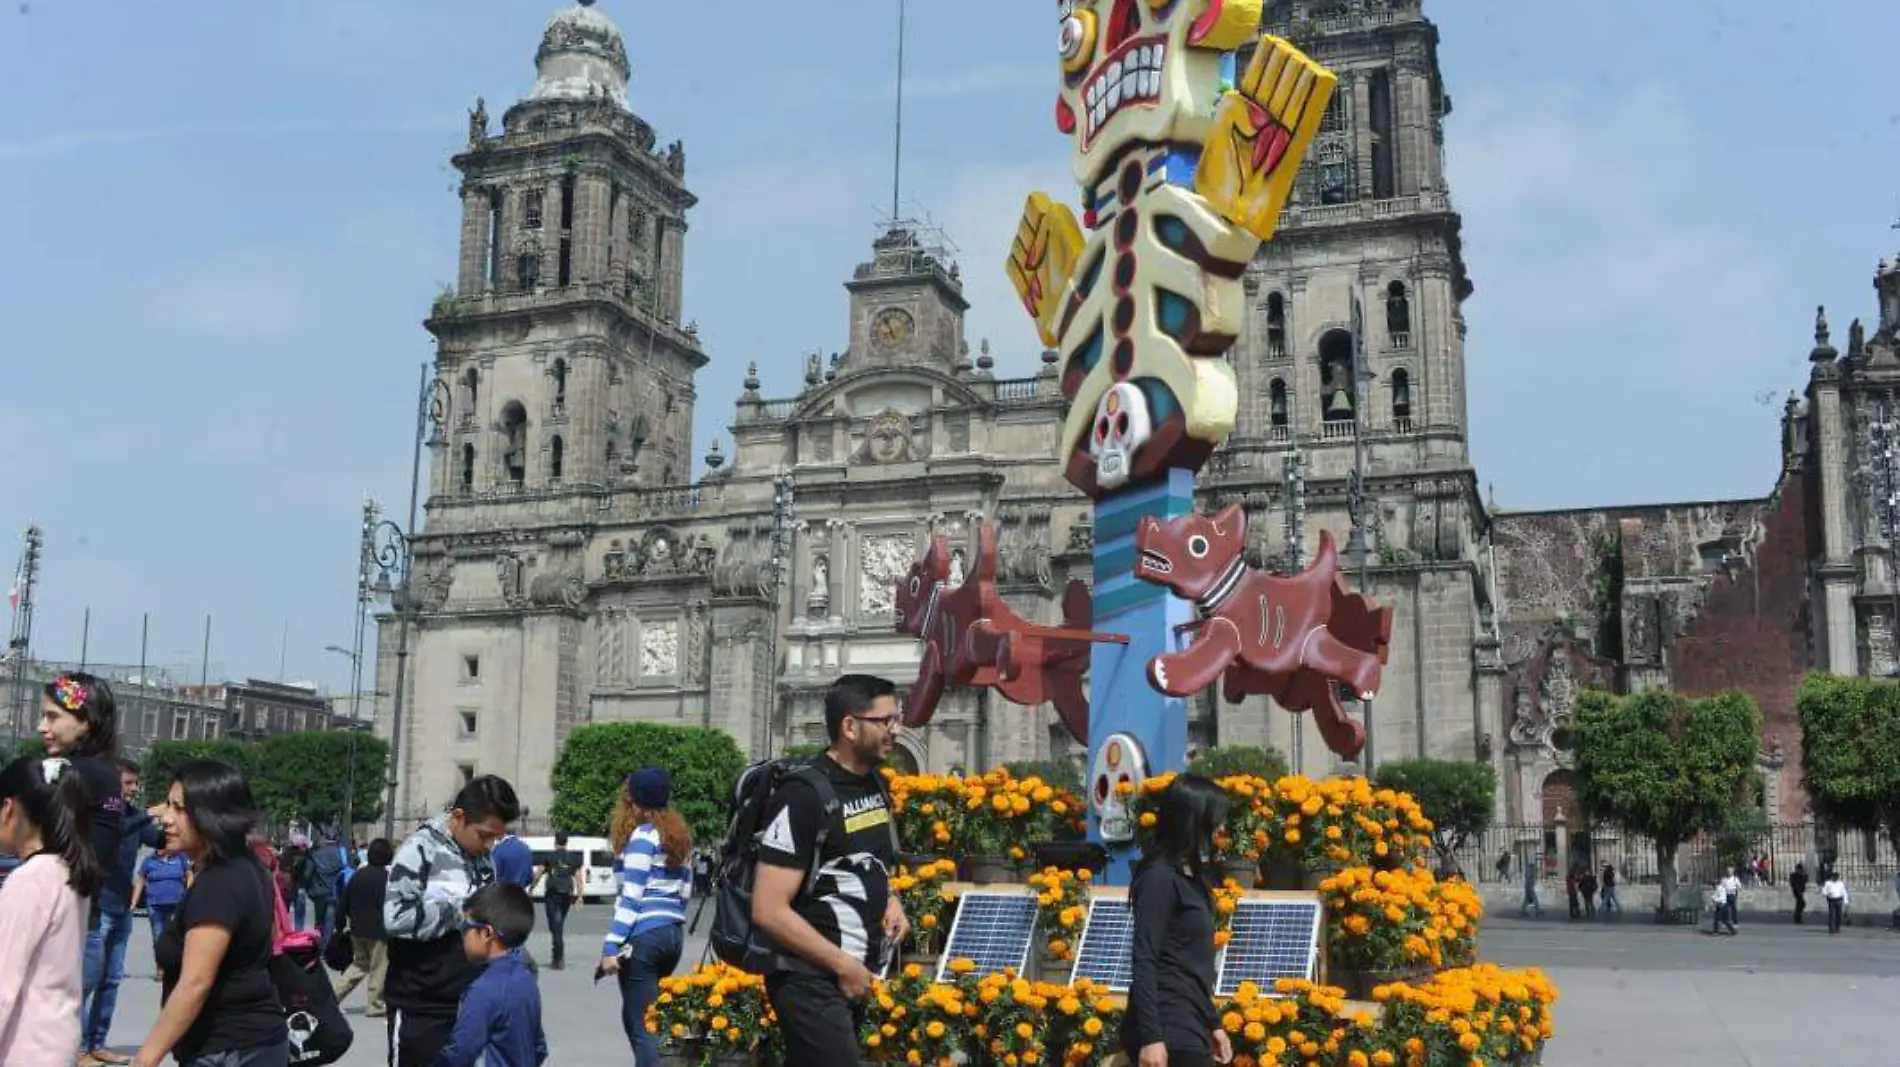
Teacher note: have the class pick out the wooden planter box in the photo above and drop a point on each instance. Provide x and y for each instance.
(1245, 872)
(1292, 877)
(992, 870)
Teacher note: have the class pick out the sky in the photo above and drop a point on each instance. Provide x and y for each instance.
(224, 223)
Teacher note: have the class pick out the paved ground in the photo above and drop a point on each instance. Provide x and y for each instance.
(1632, 995)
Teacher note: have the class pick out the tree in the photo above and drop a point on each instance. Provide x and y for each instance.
(1458, 796)
(164, 758)
(596, 760)
(306, 777)
(1850, 752)
(1061, 773)
(1661, 764)
(1228, 760)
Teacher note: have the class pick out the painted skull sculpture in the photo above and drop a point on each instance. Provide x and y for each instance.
(1122, 426)
(1143, 71)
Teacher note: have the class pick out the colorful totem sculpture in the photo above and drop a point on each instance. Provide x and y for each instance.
(1184, 172)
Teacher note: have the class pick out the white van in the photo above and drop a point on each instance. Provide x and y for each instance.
(595, 880)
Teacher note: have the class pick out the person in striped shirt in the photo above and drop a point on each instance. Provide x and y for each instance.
(647, 937)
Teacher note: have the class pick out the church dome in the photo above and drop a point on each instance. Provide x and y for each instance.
(582, 57)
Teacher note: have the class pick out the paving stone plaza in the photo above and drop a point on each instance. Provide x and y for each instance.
(1631, 995)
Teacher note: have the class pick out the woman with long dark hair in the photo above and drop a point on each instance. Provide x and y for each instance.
(43, 911)
(647, 937)
(79, 721)
(220, 1004)
(1171, 1020)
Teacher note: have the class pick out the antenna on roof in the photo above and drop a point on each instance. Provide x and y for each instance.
(897, 147)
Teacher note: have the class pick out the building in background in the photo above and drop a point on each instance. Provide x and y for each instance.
(154, 706)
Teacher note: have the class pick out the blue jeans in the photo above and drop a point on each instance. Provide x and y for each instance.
(160, 916)
(297, 906)
(655, 953)
(105, 969)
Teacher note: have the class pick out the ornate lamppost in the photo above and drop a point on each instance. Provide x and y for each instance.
(1359, 506)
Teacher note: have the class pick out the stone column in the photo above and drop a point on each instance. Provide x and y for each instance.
(472, 274)
(1837, 568)
(591, 227)
(742, 673)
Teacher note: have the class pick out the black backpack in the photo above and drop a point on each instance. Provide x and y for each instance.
(561, 875)
(733, 938)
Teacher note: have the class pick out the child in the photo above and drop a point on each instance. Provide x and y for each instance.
(44, 821)
(500, 1014)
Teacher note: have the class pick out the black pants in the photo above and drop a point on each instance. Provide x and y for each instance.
(557, 908)
(1800, 905)
(818, 1025)
(1834, 909)
(416, 1039)
(321, 907)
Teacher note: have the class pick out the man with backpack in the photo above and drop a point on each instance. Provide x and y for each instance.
(559, 889)
(820, 889)
(325, 871)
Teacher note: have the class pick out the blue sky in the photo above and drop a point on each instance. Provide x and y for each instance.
(226, 220)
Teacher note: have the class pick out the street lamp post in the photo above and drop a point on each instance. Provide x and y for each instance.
(356, 699)
(1358, 505)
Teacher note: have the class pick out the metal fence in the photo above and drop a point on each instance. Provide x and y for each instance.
(1863, 859)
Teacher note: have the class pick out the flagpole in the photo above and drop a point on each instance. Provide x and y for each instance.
(85, 637)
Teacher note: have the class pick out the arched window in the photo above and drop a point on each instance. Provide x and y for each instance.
(527, 271)
(1276, 404)
(468, 468)
(514, 443)
(559, 374)
(472, 386)
(1398, 315)
(1276, 325)
(1401, 398)
(1337, 390)
(555, 449)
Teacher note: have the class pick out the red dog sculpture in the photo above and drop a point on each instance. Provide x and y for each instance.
(973, 637)
(1292, 638)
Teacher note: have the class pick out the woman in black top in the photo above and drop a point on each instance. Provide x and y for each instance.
(1170, 1020)
(215, 956)
(80, 722)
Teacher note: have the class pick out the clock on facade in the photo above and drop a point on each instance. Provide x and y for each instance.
(891, 328)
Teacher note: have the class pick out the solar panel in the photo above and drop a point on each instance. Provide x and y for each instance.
(1270, 938)
(992, 929)
(1106, 953)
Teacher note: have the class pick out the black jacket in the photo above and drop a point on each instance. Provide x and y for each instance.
(1171, 990)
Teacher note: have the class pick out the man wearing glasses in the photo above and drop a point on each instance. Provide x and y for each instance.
(841, 927)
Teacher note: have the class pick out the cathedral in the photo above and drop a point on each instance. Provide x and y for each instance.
(572, 570)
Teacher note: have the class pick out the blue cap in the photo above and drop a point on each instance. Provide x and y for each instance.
(650, 787)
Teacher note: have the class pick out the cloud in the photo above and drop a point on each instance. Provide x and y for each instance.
(254, 296)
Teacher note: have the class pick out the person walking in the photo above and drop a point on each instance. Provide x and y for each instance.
(1587, 886)
(558, 878)
(647, 937)
(1504, 865)
(1834, 891)
(1798, 885)
(220, 1006)
(162, 879)
(43, 812)
(293, 878)
(1170, 1020)
(433, 874)
(1611, 905)
(327, 862)
(1718, 910)
(1570, 893)
(833, 932)
(361, 911)
(1530, 905)
(1732, 887)
(106, 942)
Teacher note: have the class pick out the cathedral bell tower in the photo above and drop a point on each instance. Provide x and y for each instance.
(561, 346)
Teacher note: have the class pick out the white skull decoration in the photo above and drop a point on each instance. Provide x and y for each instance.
(300, 1027)
(1122, 426)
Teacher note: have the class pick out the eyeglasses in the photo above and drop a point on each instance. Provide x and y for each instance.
(883, 721)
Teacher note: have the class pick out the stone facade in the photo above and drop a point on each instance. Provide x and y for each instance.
(567, 574)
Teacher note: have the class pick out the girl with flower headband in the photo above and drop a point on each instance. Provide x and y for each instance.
(80, 722)
(43, 820)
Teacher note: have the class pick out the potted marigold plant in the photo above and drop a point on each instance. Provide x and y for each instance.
(1062, 902)
(1342, 822)
(929, 811)
(1467, 1014)
(1012, 1028)
(927, 898)
(912, 1020)
(716, 1016)
(1083, 1026)
(1004, 817)
(1391, 926)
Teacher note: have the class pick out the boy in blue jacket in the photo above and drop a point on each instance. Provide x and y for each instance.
(499, 1020)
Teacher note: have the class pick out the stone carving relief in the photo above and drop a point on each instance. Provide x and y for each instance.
(1022, 547)
(434, 576)
(511, 572)
(959, 427)
(1540, 722)
(660, 649)
(818, 601)
(1880, 645)
(883, 559)
(821, 442)
(693, 644)
(888, 438)
(660, 552)
(610, 646)
(558, 590)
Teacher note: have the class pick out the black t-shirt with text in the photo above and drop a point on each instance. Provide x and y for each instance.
(241, 1010)
(847, 902)
(106, 805)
